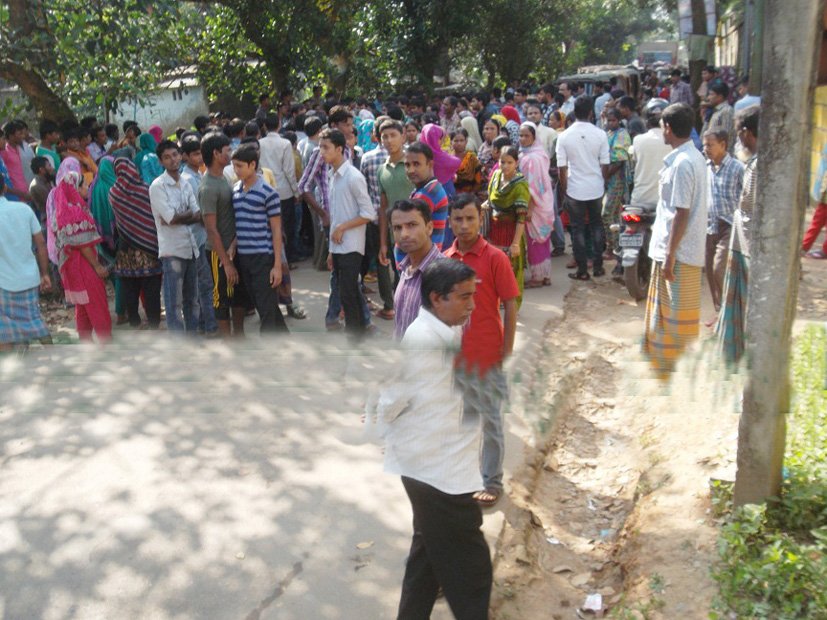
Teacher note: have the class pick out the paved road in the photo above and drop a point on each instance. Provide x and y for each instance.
(164, 479)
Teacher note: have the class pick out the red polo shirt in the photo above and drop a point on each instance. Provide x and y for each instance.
(482, 339)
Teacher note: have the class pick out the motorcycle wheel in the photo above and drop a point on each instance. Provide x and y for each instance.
(636, 276)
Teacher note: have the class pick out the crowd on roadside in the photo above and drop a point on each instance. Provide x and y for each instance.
(451, 205)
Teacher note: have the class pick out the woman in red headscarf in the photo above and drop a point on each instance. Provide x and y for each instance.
(512, 124)
(76, 240)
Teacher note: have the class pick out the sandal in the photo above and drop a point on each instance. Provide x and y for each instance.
(546, 281)
(816, 254)
(387, 314)
(488, 497)
(296, 313)
(533, 284)
(580, 276)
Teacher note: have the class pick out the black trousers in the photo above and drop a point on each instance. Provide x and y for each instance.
(383, 274)
(151, 288)
(579, 210)
(288, 222)
(254, 271)
(347, 268)
(448, 550)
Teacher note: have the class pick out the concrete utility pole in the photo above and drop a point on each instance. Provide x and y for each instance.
(792, 38)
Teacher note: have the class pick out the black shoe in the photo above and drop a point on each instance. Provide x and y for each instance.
(599, 271)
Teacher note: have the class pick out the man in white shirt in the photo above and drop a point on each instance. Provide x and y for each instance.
(174, 207)
(350, 211)
(434, 446)
(545, 135)
(567, 90)
(277, 155)
(648, 151)
(583, 161)
(678, 245)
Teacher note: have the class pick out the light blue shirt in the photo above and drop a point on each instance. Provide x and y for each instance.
(349, 199)
(18, 266)
(193, 177)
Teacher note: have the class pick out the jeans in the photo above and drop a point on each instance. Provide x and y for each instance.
(346, 269)
(206, 311)
(334, 303)
(180, 292)
(484, 396)
(558, 234)
(579, 210)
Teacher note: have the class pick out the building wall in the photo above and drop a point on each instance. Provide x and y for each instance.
(168, 108)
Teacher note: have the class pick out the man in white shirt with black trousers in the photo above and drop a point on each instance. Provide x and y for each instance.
(350, 211)
(434, 446)
(583, 161)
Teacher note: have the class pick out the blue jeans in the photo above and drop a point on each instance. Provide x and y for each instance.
(334, 303)
(558, 233)
(484, 396)
(180, 293)
(206, 311)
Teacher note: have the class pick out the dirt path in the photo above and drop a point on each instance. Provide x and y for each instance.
(616, 501)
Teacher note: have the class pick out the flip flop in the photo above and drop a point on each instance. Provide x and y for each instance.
(488, 497)
(580, 276)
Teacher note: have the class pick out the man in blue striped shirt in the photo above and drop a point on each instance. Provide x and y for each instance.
(258, 233)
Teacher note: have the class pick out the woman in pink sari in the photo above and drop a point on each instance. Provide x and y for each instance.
(75, 237)
(534, 164)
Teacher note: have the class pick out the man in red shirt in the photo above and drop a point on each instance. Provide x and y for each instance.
(488, 339)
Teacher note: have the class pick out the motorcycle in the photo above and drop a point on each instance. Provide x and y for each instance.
(633, 246)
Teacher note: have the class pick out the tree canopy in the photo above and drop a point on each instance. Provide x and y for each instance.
(67, 55)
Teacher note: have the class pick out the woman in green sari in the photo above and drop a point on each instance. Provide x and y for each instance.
(104, 218)
(508, 199)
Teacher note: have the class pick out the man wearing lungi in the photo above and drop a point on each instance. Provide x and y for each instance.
(22, 274)
(673, 307)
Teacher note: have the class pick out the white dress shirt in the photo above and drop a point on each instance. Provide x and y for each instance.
(277, 155)
(583, 148)
(426, 437)
(169, 198)
(349, 199)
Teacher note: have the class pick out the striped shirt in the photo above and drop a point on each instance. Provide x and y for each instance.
(408, 296)
(746, 205)
(253, 209)
(371, 162)
(725, 183)
(435, 197)
(316, 176)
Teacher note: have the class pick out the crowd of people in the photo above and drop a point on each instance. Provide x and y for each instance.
(451, 205)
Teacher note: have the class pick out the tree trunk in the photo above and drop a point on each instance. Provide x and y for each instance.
(25, 18)
(49, 105)
(791, 45)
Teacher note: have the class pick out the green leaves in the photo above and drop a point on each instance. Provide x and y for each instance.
(774, 557)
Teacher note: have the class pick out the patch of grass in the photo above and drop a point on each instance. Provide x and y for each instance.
(646, 609)
(774, 556)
